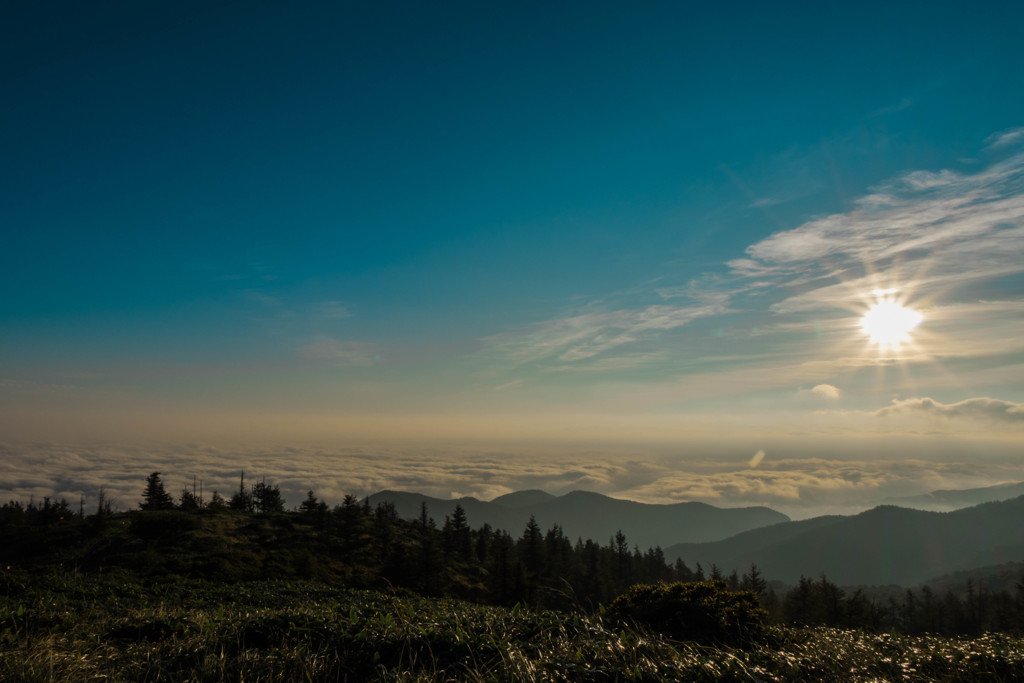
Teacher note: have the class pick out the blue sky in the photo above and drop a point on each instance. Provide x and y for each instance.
(569, 222)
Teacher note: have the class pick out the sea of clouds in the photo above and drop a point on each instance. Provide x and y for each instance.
(798, 486)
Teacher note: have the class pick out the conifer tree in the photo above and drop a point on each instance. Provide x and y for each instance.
(155, 497)
(217, 502)
(455, 534)
(532, 546)
(754, 581)
(267, 498)
(242, 500)
(313, 506)
(188, 501)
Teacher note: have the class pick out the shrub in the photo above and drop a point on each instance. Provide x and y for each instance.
(705, 612)
(163, 525)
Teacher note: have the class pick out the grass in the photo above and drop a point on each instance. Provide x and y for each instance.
(113, 628)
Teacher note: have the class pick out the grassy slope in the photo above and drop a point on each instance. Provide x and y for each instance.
(108, 602)
(78, 629)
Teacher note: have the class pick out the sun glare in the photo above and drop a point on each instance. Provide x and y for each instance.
(888, 323)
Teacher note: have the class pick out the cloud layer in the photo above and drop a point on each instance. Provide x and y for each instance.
(799, 487)
(972, 408)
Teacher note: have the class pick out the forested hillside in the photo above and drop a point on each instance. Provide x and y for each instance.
(584, 514)
(354, 544)
(885, 545)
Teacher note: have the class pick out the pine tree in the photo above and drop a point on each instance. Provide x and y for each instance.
(217, 502)
(531, 547)
(682, 572)
(484, 535)
(623, 560)
(242, 500)
(456, 536)
(189, 501)
(754, 581)
(312, 506)
(154, 497)
(267, 498)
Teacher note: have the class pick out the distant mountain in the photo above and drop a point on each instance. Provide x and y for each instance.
(522, 499)
(592, 516)
(881, 546)
(958, 498)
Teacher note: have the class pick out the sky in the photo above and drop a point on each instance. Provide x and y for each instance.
(469, 248)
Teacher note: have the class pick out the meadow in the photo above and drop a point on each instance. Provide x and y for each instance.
(61, 626)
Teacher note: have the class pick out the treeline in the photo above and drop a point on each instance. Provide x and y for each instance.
(920, 611)
(355, 544)
(15, 514)
(257, 497)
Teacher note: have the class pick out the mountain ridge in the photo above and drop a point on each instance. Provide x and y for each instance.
(591, 515)
(886, 544)
(951, 499)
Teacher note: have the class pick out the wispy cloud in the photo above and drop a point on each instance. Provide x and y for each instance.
(973, 408)
(945, 227)
(905, 103)
(613, 363)
(587, 336)
(942, 237)
(338, 351)
(1005, 138)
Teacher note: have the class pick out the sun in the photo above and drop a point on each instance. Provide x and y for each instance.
(888, 322)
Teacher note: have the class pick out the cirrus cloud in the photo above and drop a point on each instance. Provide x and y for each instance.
(949, 228)
(588, 336)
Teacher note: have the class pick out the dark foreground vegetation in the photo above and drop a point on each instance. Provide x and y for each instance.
(240, 589)
(62, 628)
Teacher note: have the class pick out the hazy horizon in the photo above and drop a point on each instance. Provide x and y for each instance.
(468, 250)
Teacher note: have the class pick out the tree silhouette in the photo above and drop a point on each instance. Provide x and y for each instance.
(155, 497)
(456, 536)
(189, 501)
(754, 581)
(242, 500)
(313, 506)
(532, 547)
(266, 498)
(217, 503)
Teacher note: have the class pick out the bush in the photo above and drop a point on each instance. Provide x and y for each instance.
(163, 525)
(706, 612)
